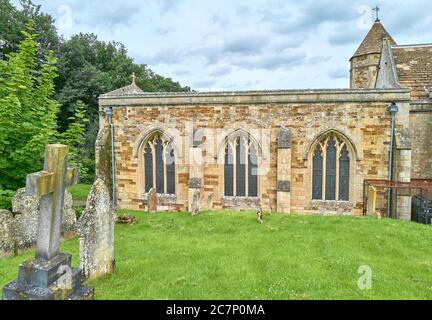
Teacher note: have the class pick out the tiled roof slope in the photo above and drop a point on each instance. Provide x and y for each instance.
(414, 69)
(129, 90)
(372, 43)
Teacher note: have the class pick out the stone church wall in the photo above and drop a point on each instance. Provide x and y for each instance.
(421, 133)
(360, 116)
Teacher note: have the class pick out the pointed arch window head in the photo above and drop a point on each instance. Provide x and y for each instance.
(241, 167)
(159, 164)
(331, 169)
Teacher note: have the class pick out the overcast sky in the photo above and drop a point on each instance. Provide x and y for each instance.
(244, 44)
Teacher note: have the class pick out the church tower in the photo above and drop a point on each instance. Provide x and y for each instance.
(366, 60)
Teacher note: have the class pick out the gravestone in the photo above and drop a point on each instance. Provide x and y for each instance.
(7, 238)
(210, 201)
(49, 275)
(26, 210)
(152, 200)
(260, 215)
(196, 202)
(96, 233)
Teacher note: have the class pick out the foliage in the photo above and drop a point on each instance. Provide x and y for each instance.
(74, 137)
(6, 197)
(13, 21)
(230, 256)
(27, 110)
(87, 68)
(79, 211)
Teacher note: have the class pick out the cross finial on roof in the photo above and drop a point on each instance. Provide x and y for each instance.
(377, 9)
(133, 77)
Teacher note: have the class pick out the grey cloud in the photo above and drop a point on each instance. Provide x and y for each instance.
(204, 84)
(163, 31)
(318, 59)
(221, 71)
(272, 61)
(308, 16)
(246, 44)
(343, 36)
(166, 6)
(102, 13)
(182, 72)
(339, 73)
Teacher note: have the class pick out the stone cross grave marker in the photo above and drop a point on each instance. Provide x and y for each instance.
(50, 185)
(49, 276)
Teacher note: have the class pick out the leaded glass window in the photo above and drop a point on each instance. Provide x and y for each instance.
(159, 165)
(241, 167)
(317, 174)
(331, 169)
(344, 178)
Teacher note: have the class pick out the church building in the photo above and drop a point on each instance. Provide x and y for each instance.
(294, 151)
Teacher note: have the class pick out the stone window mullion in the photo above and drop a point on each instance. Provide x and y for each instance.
(324, 151)
(153, 148)
(234, 148)
(338, 150)
(247, 150)
(165, 166)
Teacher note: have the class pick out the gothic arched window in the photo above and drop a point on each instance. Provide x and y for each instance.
(331, 169)
(241, 167)
(159, 165)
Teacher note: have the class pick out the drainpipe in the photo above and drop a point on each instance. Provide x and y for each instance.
(393, 109)
(109, 113)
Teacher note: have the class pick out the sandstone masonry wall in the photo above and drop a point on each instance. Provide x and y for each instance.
(360, 116)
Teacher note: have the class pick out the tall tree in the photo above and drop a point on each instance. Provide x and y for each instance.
(13, 21)
(28, 111)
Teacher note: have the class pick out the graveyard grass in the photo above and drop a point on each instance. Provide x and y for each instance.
(227, 255)
(80, 191)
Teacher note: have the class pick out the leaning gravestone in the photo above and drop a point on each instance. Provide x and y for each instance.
(96, 232)
(152, 200)
(49, 275)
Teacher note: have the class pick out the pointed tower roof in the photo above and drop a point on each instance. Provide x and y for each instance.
(372, 43)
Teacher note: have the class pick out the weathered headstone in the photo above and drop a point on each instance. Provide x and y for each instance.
(269, 205)
(49, 275)
(96, 232)
(152, 200)
(7, 239)
(260, 215)
(26, 210)
(196, 202)
(210, 201)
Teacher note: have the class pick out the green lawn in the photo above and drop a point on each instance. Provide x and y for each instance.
(80, 191)
(231, 256)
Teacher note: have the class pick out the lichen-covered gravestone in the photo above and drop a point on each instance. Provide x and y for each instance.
(49, 276)
(26, 209)
(7, 241)
(96, 232)
(152, 200)
(260, 215)
(210, 201)
(196, 202)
